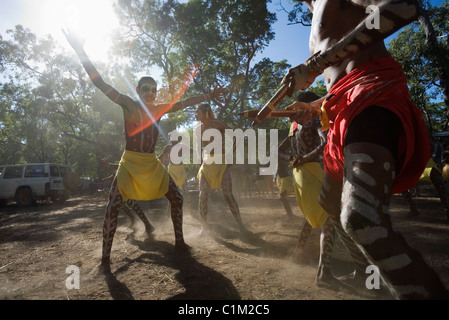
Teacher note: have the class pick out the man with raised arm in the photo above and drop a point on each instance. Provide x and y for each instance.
(141, 176)
(377, 141)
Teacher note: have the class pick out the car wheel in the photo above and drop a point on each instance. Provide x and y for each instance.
(24, 197)
(58, 199)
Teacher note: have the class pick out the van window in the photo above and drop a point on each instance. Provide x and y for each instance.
(35, 171)
(54, 172)
(13, 172)
(64, 170)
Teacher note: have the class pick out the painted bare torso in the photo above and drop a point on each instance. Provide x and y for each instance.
(309, 140)
(331, 21)
(213, 124)
(139, 136)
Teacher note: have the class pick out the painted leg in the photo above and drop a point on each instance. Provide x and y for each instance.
(110, 226)
(330, 200)
(438, 183)
(369, 176)
(226, 187)
(204, 198)
(176, 200)
(299, 255)
(286, 205)
(408, 197)
(135, 207)
(126, 209)
(327, 240)
(304, 235)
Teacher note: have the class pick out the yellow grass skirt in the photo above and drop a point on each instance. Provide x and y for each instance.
(308, 179)
(213, 172)
(178, 174)
(142, 177)
(285, 184)
(426, 174)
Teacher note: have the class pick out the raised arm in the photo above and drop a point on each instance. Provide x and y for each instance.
(216, 93)
(77, 44)
(106, 163)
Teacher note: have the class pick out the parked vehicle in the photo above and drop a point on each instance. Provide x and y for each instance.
(27, 183)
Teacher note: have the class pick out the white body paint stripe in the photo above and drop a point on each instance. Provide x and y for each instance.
(371, 234)
(395, 263)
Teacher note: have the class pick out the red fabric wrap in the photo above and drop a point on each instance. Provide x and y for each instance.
(381, 83)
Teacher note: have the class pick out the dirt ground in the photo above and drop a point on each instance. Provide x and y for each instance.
(37, 245)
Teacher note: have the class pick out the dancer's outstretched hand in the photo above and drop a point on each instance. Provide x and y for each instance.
(217, 92)
(299, 78)
(75, 41)
(305, 112)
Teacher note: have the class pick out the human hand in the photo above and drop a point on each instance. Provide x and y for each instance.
(75, 41)
(304, 112)
(295, 161)
(299, 78)
(217, 92)
(103, 161)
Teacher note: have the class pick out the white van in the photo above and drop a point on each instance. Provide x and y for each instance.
(27, 183)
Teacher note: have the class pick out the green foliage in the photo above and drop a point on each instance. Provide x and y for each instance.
(51, 112)
(423, 64)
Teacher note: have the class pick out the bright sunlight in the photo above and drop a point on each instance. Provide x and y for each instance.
(93, 20)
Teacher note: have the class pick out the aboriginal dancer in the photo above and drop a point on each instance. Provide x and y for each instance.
(377, 142)
(214, 173)
(284, 183)
(307, 142)
(140, 176)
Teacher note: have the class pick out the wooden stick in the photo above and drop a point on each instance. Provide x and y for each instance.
(271, 105)
(273, 114)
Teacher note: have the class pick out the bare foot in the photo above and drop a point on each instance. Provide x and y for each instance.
(102, 269)
(149, 229)
(244, 232)
(181, 246)
(328, 281)
(357, 283)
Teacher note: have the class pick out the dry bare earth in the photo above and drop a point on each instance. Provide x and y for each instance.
(38, 244)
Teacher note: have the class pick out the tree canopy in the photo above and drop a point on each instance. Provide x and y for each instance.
(51, 112)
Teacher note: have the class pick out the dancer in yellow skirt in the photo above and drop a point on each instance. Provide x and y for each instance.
(176, 171)
(285, 184)
(214, 175)
(307, 143)
(141, 176)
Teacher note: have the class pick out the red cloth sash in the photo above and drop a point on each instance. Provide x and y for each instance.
(382, 83)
